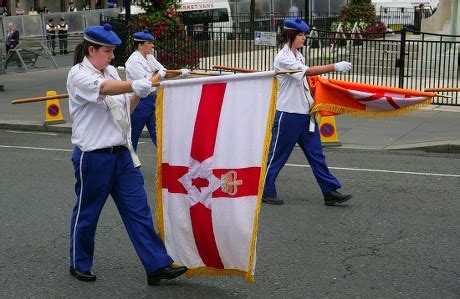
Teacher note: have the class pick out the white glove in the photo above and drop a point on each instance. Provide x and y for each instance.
(343, 66)
(141, 87)
(162, 73)
(184, 73)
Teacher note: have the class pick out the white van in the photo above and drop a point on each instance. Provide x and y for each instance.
(207, 17)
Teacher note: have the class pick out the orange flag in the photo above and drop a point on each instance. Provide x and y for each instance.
(343, 97)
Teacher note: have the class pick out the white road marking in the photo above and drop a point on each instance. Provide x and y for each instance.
(33, 133)
(37, 148)
(287, 164)
(384, 171)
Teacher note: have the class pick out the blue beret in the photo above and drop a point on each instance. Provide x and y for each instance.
(296, 24)
(102, 35)
(144, 36)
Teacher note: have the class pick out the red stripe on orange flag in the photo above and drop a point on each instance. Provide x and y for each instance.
(392, 103)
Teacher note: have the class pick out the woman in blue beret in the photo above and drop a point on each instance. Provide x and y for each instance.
(104, 160)
(142, 64)
(292, 122)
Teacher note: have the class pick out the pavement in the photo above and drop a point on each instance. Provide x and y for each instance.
(435, 128)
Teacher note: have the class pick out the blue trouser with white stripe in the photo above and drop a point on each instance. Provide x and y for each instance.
(99, 175)
(144, 115)
(289, 129)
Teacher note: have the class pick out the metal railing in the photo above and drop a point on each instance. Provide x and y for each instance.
(398, 60)
(405, 59)
(35, 25)
(267, 22)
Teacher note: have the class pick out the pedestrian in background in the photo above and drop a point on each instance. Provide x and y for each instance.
(62, 28)
(11, 42)
(142, 64)
(19, 10)
(32, 11)
(293, 123)
(71, 7)
(12, 37)
(104, 160)
(51, 30)
(294, 11)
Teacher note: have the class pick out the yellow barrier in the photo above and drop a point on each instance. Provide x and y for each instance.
(328, 131)
(53, 112)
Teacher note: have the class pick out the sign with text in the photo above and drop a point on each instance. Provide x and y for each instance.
(262, 38)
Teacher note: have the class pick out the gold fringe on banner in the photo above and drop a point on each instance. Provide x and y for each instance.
(218, 272)
(367, 113)
(263, 169)
(159, 178)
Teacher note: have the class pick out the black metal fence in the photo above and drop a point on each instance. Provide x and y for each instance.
(405, 59)
(241, 23)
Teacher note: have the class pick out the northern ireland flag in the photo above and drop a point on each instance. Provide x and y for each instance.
(343, 97)
(213, 141)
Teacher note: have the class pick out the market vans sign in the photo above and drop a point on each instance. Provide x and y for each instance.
(195, 6)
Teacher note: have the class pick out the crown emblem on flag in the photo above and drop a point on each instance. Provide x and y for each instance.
(229, 182)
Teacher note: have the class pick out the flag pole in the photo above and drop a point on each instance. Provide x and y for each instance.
(442, 96)
(233, 69)
(55, 97)
(178, 72)
(40, 99)
(241, 70)
(442, 89)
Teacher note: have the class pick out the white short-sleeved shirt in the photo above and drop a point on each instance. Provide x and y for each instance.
(93, 126)
(293, 92)
(139, 67)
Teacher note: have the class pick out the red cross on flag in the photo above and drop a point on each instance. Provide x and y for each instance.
(343, 97)
(213, 141)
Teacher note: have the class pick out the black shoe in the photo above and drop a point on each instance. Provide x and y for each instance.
(167, 272)
(336, 197)
(272, 200)
(83, 276)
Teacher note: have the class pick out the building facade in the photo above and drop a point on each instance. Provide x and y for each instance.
(316, 7)
(53, 5)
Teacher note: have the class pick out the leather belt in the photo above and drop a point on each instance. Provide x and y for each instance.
(111, 150)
